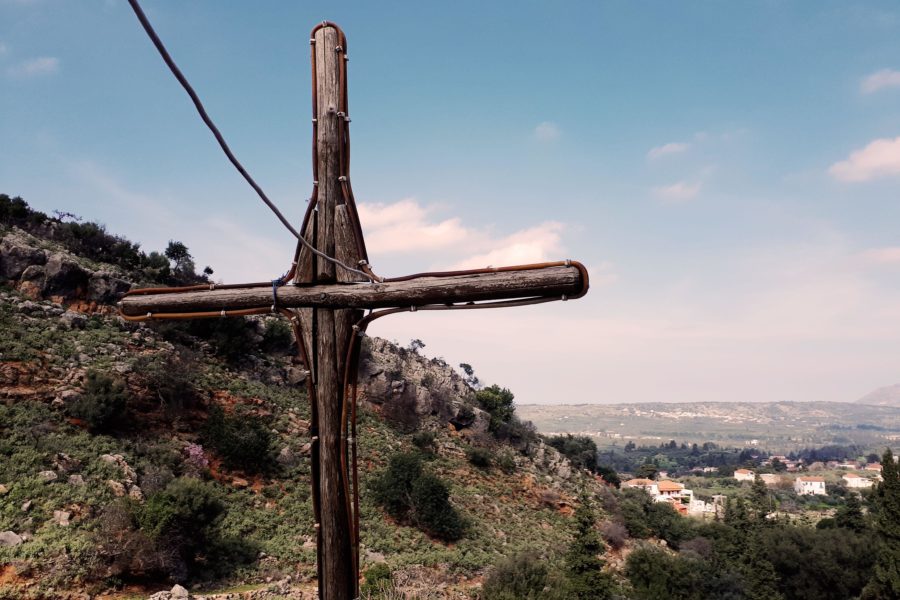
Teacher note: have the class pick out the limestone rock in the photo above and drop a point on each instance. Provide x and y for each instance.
(117, 488)
(135, 493)
(72, 320)
(16, 256)
(239, 482)
(48, 476)
(295, 375)
(10, 538)
(61, 517)
(119, 461)
(65, 277)
(106, 288)
(3, 490)
(179, 593)
(26, 506)
(76, 480)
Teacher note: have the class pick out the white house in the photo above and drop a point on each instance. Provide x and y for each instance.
(744, 475)
(807, 486)
(857, 481)
(672, 490)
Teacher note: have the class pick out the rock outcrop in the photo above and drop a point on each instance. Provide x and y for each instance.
(41, 273)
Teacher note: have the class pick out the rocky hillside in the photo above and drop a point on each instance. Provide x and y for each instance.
(133, 457)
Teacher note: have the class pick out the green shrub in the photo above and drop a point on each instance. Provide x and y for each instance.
(378, 579)
(242, 440)
(506, 462)
(479, 457)
(580, 450)
(103, 402)
(277, 337)
(187, 507)
(432, 510)
(498, 402)
(424, 441)
(524, 576)
(170, 380)
(409, 493)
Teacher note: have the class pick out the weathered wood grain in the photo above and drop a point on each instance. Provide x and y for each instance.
(549, 281)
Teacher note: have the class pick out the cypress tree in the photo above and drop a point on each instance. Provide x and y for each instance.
(586, 578)
(885, 581)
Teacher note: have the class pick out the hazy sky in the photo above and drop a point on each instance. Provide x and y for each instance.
(729, 172)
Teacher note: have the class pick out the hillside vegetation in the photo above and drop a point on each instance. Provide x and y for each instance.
(135, 456)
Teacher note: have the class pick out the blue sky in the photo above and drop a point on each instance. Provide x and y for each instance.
(728, 171)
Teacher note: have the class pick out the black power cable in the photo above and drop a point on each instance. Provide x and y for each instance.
(145, 23)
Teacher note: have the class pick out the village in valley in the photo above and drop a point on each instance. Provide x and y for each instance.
(778, 472)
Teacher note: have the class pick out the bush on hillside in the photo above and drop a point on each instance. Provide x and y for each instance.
(409, 493)
(580, 450)
(479, 457)
(379, 580)
(164, 535)
(498, 402)
(242, 440)
(170, 379)
(103, 402)
(424, 441)
(524, 576)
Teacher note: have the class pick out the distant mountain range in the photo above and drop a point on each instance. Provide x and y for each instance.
(888, 395)
(777, 426)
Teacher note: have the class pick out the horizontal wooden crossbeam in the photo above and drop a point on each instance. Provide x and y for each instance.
(560, 280)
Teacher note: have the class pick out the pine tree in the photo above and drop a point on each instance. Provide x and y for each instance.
(885, 581)
(759, 498)
(586, 578)
(850, 516)
(759, 573)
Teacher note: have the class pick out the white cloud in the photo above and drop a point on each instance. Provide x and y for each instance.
(882, 256)
(33, 67)
(403, 227)
(878, 159)
(678, 192)
(407, 227)
(880, 80)
(667, 149)
(535, 244)
(547, 132)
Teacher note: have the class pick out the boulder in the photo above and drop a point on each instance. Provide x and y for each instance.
(61, 517)
(73, 320)
(106, 288)
(135, 493)
(76, 480)
(26, 506)
(117, 488)
(48, 476)
(295, 375)
(16, 256)
(64, 277)
(10, 538)
(3, 490)
(286, 457)
(179, 593)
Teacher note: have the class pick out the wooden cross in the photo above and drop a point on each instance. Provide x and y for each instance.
(325, 301)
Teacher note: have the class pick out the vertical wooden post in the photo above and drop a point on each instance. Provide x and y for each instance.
(328, 332)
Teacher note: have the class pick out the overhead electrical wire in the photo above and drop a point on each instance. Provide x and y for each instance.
(167, 58)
